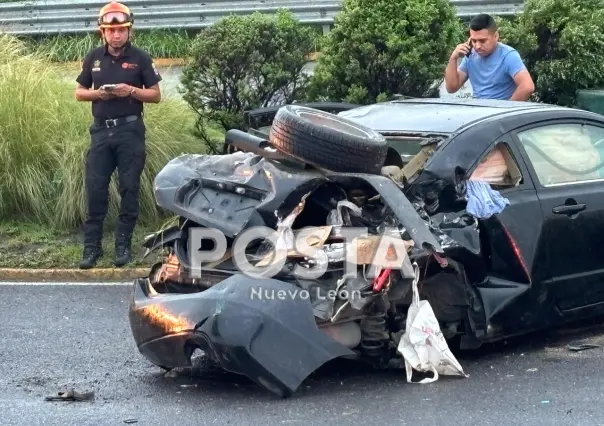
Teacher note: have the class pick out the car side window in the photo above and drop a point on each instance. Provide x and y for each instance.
(498, 168)
(565, 153)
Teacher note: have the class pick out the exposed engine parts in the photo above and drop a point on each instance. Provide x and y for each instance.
(374, 333)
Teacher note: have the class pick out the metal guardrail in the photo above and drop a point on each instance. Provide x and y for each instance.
(79, 16)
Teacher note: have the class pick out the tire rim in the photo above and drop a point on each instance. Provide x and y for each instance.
(333, 123)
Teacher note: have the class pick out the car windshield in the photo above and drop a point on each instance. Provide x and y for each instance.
(406, 145)
(415, 150)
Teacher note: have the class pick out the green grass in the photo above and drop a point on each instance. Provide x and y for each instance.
(44, 137)
(160, 43)
(74, 47)
(28, 245)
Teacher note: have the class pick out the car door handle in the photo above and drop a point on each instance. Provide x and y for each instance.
(569, 208)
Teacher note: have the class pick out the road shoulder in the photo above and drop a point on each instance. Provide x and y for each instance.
(71, 275)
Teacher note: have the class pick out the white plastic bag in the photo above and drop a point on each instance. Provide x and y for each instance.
(423, 345)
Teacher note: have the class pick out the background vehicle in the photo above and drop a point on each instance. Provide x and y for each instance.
(533, 265)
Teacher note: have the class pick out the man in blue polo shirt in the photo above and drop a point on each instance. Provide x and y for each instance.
(495, 69)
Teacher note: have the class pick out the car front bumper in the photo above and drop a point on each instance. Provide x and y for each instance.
(261, 328)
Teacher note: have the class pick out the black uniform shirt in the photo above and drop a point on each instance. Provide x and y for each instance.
(135, 68)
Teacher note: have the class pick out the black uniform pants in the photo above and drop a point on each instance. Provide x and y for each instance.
(121, 147)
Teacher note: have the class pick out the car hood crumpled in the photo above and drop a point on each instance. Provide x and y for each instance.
(236, 191)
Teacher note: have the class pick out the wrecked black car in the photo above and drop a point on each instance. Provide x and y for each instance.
(491, 208)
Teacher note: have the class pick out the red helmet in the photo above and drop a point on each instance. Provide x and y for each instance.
(114, 15)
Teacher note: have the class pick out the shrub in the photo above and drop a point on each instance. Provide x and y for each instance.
(562, 44)
(385, 47)
(44, 137)
(245, 62)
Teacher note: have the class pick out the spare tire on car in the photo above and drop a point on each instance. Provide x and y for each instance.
(327, 141)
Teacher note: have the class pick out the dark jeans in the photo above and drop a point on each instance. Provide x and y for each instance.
(123, 147)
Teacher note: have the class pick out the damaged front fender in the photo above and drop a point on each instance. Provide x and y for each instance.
(262, 328)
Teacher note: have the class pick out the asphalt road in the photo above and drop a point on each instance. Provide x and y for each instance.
(53, 337)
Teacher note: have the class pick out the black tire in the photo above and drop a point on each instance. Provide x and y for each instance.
(327, 141)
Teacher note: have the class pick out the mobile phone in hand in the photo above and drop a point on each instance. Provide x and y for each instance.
(108, 87)
(470, 50)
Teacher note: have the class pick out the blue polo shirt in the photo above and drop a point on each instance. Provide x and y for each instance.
(492, 77)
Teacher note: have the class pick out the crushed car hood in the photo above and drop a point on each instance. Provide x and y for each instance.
(240, 190)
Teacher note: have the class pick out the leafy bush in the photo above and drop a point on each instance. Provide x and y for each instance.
(44, 137)
(562, 43)
(245, 62)
(381, 48)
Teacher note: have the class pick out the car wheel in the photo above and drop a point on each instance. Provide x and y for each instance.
(327, 141)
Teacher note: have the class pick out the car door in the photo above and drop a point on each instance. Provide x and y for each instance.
(565, 158)
(512, 250)
(513, 247)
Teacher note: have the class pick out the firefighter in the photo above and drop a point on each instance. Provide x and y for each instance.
(117, 78)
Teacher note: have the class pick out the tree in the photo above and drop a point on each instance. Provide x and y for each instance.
(562, 44)
(245, 62)
(380, 48)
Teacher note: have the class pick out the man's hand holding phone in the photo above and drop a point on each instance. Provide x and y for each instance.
(462, 50)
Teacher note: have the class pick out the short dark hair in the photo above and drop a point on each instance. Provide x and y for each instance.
(483, 22)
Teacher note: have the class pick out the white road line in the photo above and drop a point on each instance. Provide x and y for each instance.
(86, 284)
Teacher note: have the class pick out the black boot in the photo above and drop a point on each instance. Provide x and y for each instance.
(92, 253)
(123, 252)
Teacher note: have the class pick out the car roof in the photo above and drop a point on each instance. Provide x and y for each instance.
(434, 115)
